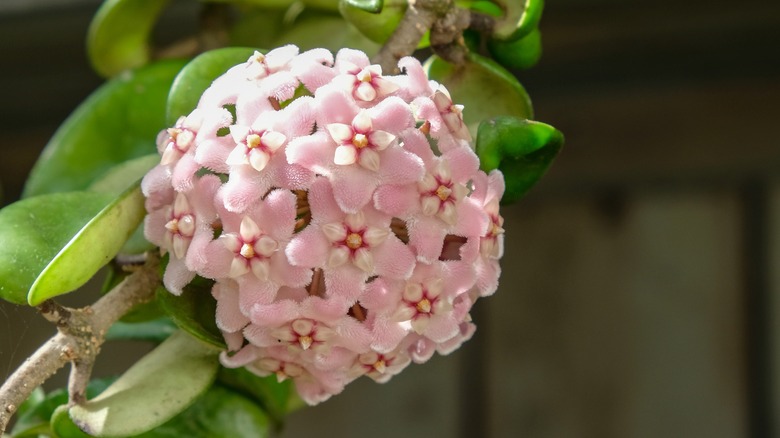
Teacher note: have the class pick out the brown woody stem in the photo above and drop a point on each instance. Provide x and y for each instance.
(81, 332)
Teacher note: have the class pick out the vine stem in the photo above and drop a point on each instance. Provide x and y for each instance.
(419, 17)
(81, 332)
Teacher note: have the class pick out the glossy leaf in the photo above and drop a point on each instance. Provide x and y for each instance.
(220, 412)
(155, 389)
(118, 37)
(91, 248)
(120, 177)
(118, 122)
(520, 54)
(329, 31)
(277, 398)
(485, 89)
(156, 330)
(376, 26)
(194, 310)
(35, 414)
(34, 230)
(198, 75)
(327, 5)
(372, 6)
(117, 180)
(522, 149)
(520, 18)
(257, 27)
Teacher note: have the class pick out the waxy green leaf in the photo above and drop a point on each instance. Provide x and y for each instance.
(522, 149)
(33, 232)
(155, 389)
(220, 412)
(372, 6)
(376, 26)
(120, 177)
(329, 31)
(198, 75)
(156, 330)
(40, 408)
(118, 37)
(91, 248)
(277, 398)
(485, 89)
(519, 54)
(520, 18)
(118, 122)
(194, 310)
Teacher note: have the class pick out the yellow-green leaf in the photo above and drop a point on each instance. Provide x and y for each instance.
(91, 248)
(118, 37)
(155, 389)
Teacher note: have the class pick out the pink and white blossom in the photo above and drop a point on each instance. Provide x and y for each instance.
(340, 213)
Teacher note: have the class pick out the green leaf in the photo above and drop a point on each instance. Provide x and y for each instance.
(156, 330)
(372, 6)
(376, 26)
(120, 177)
(34, 230)
(118, 37)
(33, 421)
(218, 413)
(155, 389)
(330, 31)
(118, 122)
(485, 89)
(522, 149)
(198, 75)
(277, 398)
(519, 54)
(194, 310)
(91, 248)
(257, 27)
(521, 18)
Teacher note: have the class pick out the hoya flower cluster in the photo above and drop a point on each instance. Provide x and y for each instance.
(340, 212)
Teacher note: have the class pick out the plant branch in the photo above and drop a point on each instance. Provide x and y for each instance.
(418, 19)
(81, 332)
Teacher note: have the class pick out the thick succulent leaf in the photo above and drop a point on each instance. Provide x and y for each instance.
(120, 177)
(91, 248)
(277, 398)
(522, 149)
(194, 310)
(118, 122)
(155, 389)
(328, 5)
(520, 18)
(377, 26)
(257, 27)
(156, 330)
(118, 37)
(485, 89)
(33, 232)
(372, 6)
(519, 54)
(35, 414)
(330, 31)
(198, 75)
(220, 412)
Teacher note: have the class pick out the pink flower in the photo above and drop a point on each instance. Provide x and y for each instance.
(250, 250)
(362, 81)
(358, 152)
(348, 247)
(341, 214)
(183, 229)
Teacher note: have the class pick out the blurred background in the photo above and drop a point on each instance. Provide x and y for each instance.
(641, 281)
